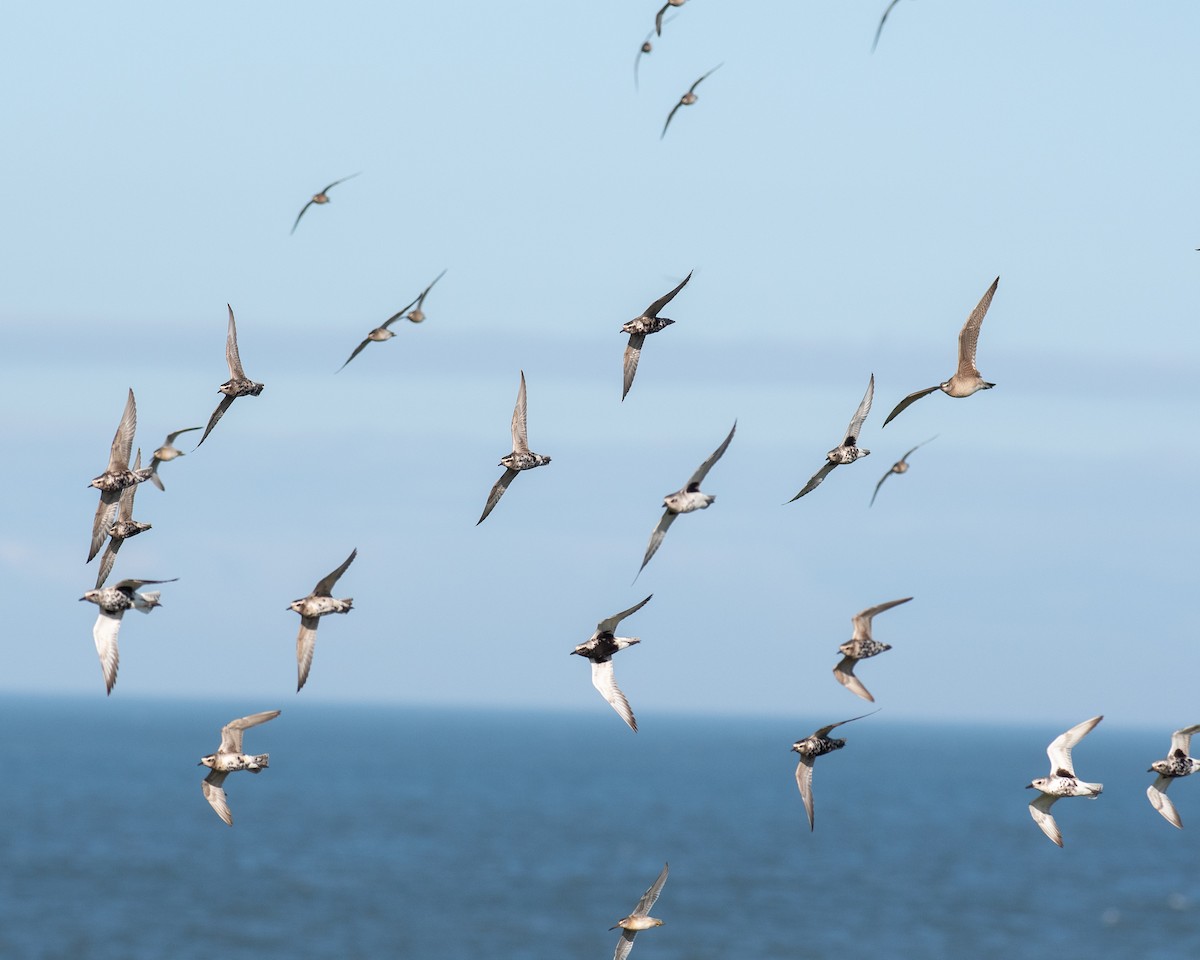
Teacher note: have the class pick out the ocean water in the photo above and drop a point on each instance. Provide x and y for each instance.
(449, 834)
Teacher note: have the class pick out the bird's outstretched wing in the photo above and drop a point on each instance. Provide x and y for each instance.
(815, 480)
(357, 350)
(520, 428)
(122, 445)
(215, 795)
(656, 538)
(104, 633)
(1039, 809)
(804, 775)
(844, 673)
(231, 350)
(652, 310)
(325, 585)
(643, 907)
(610, 624)
(1157, 792)
(225, 404)
(968, 337)
(702, 470)
(496, 493)
(860, 415)
(862, 620)
(633, 353)
(306, 645)
(604, 681)
(882, 21)
(1059, 750)
(231, 733)
(909, 401)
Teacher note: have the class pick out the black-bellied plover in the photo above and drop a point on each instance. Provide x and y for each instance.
(1062, 781)
(124, 528)
(165, 454)
(519, 459)
(685, 500)
(639, 917)
(116, 477)
(809, 749)
(900, 466)
(861, 646)
(848, 450)
(113, 602)
(320, 197)
(639, 328)
(311, 609)
(229, 759)
(238, 384)
(599, 648)
(688, 98)
(1177, 764)
(966, 379)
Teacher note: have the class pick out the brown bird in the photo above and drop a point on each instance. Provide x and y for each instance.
(900, 466)
(320, 197)
(238, 384)
(688, 98)
(861, 646)
(641, 327)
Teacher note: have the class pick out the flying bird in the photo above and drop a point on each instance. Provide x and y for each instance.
(411, 311)
(113, 602)
(882, 21)
(229, 759)
(639, 918)
(319, 198)
(848, 450)
(116, 477)
(966, 379)
(861, 646)
(640, 327)
(809, 749)
(686, 500)
(123, 529)
(165, 454)
(900, 466)
(311, 608)
(1062, 781)
(238, 384)
(1178, 764)
(520, 459)
(688, 98)
(599, 648)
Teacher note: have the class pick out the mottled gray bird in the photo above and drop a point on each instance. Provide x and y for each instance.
(860, 647)
(1062, 781)
(238, 384)
(882, 21)
(809, 749)
(116, 477)
(520, 458)
(1177, 764)
(229, 759)
(113, 602)
(319, 198)
(640, 327)
(900, 466)
(411, 312)
(639, 918)
(599, 648)
(165, 454)
(688, 98)
(685, 500)
(966, 379)
(311, 609)
(124, 528)
(848, 450)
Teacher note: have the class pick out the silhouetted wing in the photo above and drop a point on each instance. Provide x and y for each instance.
(909, 401)
(293, 230)
(496, 493)
(1059, 750)
(877, 486)
(968, 337)
(306, 644)
(357, 350)
(1039, 809)
(215, 795)
(815, 481)
(398, 315)
(425, 292)
(520, 429)
(658, 19)
(657, 537)
(604, 681)
(1157, 792)
(325, 587)
(171, 436)
(692, 88)
(860, 415)
(633, 353)
(122, 445)
(669, 116)
(225, 404)
(343, 180)
(231, 733)
(844, 672)
(702, 470)
(652, 310)
(882, 20)
(610, 624)
(804, 775)
(104, 633)
(648, 898)
(231, 351)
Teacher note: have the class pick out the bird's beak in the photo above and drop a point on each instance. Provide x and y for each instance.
(1029, 786)
(83, 598)
(1151, 770)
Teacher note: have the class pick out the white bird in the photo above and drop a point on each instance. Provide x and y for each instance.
(599, 648)
(1062, 781)
(229, 759)
(1178, 764)
(113, 602)
(686, 500)
(639, 918)
(848, 450)
(966, 379)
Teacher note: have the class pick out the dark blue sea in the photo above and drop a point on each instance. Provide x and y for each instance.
(467, 834)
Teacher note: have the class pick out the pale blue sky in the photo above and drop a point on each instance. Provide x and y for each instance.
(842, 212)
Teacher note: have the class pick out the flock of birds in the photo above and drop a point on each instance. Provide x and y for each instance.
(114, 523)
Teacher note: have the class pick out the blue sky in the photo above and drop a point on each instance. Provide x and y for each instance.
(842, 212)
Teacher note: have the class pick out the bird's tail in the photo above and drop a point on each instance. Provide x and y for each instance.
(145, 602)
